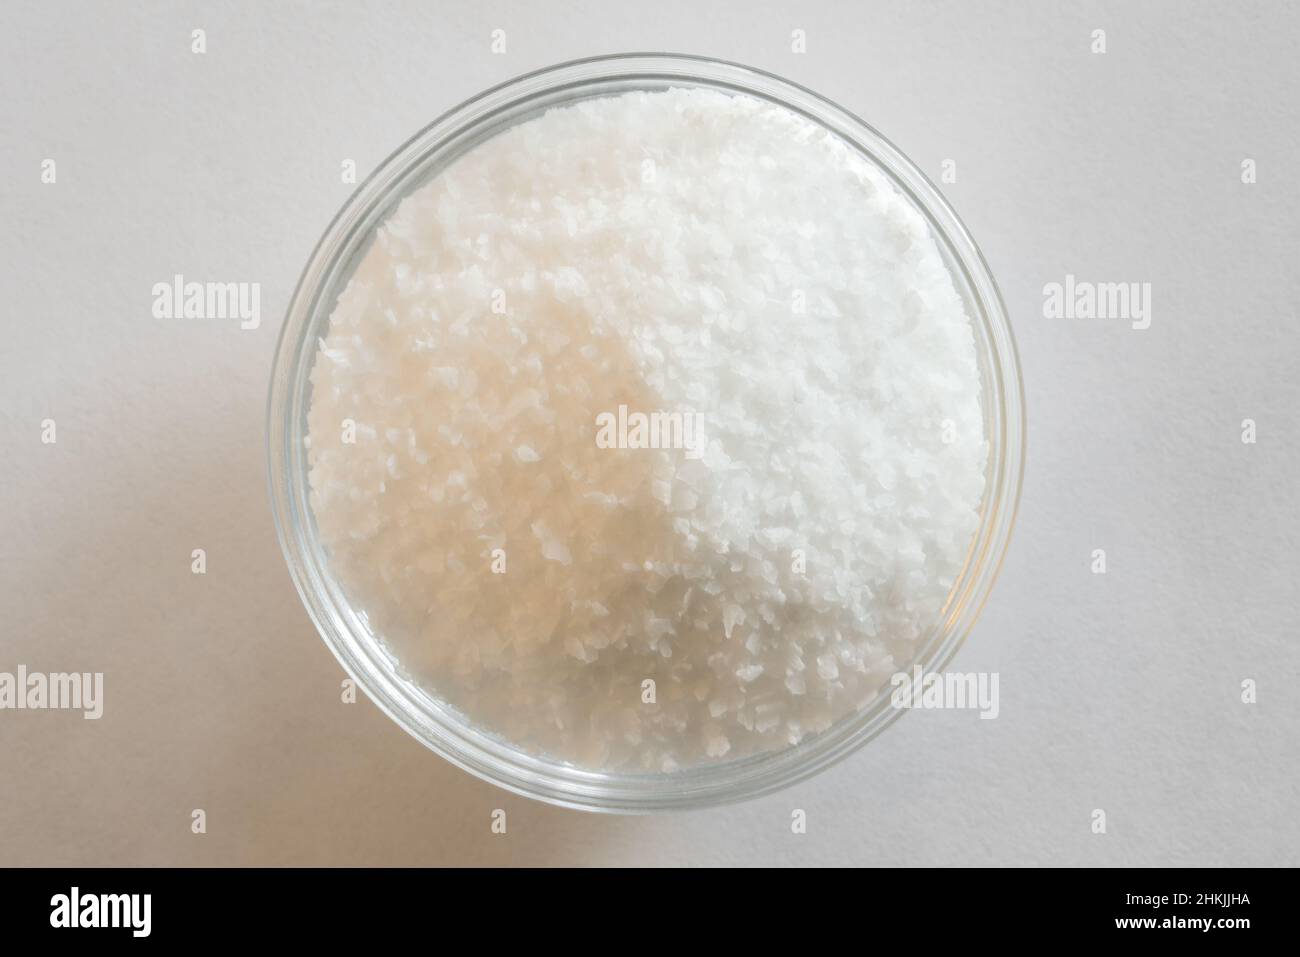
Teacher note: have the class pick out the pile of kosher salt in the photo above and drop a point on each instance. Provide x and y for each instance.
(683, 251)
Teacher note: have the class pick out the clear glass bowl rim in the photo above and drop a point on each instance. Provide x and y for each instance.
(361, 656)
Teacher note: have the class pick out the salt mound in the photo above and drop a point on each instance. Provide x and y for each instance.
(686, 252)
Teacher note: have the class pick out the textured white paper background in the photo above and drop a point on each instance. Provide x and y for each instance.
(1119, 691)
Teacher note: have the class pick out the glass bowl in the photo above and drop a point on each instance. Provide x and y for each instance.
(344, 629)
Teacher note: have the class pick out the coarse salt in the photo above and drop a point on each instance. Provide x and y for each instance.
(677, 252)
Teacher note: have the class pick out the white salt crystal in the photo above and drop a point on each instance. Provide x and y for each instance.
(552, 547)
(765, 586)
(749, 673)
(732, 615)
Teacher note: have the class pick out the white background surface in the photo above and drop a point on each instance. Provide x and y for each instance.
(1119, 692)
